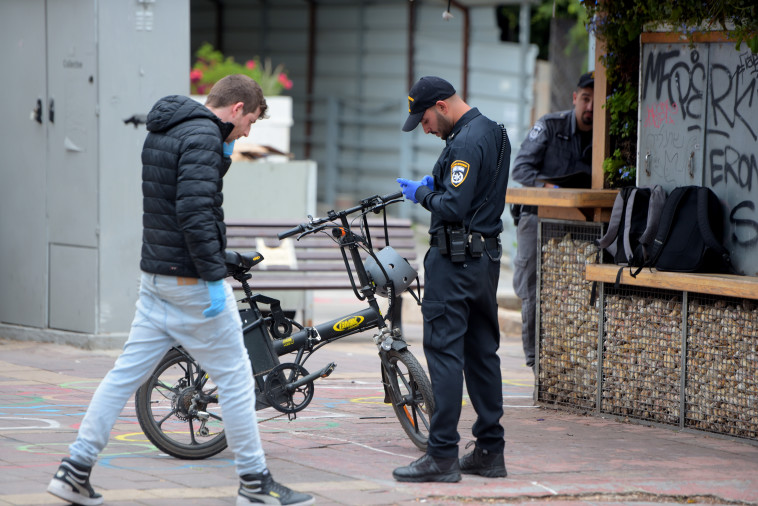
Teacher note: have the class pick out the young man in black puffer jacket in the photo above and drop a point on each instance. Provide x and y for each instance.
(183, 298)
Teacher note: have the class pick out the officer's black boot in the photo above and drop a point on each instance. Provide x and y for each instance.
(483, 463)
(429, 468)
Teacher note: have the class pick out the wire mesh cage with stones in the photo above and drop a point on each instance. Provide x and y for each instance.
(568, 325)
(642, 353)
(721, 383)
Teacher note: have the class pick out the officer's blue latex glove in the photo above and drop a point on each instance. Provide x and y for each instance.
(409, 188)
(218, 298)
(228, 149)
(428, 181)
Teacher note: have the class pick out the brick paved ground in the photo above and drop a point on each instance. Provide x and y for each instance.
(344, 446)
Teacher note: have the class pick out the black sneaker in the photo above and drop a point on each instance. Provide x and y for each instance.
(483, 463)
(428, 468)
(71, 483)
(262, 489)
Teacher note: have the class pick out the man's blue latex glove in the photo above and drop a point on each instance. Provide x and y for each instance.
(409, 188)
(218, 298)
(228, 149)
(428, 181)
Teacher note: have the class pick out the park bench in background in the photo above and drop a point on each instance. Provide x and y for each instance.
(313, 263)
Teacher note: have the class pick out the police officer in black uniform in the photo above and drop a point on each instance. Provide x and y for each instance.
(558, 152)
(466, 197)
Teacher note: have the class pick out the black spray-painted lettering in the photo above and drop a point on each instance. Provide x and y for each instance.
(744, 231)
(731, 110)
(728, 165)
(683, 83)
(699, 125)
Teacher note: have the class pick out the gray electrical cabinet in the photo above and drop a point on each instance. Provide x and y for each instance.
(70, 200)
(698, 125)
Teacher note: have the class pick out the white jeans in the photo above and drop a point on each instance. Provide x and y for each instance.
(168, 314)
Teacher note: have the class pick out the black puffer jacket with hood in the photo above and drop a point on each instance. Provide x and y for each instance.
(182, 170)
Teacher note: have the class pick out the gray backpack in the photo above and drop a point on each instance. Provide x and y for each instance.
(633, 226)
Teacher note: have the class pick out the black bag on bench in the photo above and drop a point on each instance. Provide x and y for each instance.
(690, 233)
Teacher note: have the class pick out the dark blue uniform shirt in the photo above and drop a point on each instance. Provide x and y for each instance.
(553, 148)
(464, 177)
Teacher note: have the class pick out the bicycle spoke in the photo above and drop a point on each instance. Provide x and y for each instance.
(192, 431)
(167, 391)
(416, 414)
(402, 377)
(418, 408)
(186, 368)
(160, 422)
(411, 414)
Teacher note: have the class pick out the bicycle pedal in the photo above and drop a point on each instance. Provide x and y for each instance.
(328, 370)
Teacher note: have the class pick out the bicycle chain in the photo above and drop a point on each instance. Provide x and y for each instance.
(272, 418)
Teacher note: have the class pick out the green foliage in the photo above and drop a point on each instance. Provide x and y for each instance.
(569, 9)
(616, 171)
(619, 23)
(622, 107)
(508, 18)
(211, 66)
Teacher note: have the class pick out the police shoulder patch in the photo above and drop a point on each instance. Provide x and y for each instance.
(458, 172)
(536, 130)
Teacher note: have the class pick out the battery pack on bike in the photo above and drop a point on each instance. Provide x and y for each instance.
(260, 350)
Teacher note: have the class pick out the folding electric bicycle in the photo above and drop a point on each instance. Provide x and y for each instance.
(177, 407)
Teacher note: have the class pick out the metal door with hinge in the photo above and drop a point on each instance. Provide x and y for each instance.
(23, 243)
(49, 196)
(72, 174)
(672, 112)
(698, 125)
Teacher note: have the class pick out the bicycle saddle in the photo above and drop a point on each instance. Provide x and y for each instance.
(237, 262)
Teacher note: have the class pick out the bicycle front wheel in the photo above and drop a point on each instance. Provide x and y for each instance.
(411, 395)
(178, 417)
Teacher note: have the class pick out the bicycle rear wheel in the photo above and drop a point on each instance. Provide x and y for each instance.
(411, 395)
(164, 409)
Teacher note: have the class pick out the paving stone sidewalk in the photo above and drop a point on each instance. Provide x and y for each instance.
(344, 446)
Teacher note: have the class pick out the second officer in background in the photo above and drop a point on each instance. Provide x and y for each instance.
(557, 151)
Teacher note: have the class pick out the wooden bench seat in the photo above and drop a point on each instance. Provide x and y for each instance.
(315, 261)
(726, 285)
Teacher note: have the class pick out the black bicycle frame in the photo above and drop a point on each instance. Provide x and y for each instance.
(329, 331)
(264, 352)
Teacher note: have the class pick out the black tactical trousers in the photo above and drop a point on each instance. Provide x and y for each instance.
(461, 337)
(525, 282)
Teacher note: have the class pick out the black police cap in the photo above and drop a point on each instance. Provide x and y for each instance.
(587, 80)
(423, 95)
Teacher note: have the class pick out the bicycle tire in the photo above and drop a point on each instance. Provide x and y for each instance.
(411, 395)
(162, 402)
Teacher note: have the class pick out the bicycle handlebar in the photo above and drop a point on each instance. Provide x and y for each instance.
(374, 203)
(293, 231)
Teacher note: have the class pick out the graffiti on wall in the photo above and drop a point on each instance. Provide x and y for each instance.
(698, 124)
